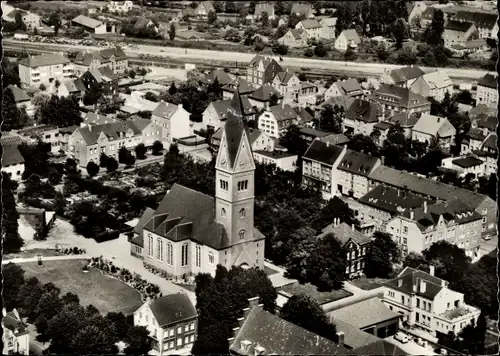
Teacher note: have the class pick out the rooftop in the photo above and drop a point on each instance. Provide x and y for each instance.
(456, 313)
(392, 200)
(345, 233)
(467, 162)
(173, 308)
(409, 281)
(264, 93)
(402, 96)
(405, 119)
(358, 163)
(312, 291)
(86, 21)
(363, 110)
(44, 60)
(310, 23)
(437, 80)
(458, 26)
(323, 152)
(275, 154)
(406, 73)
(489, 81)
(434, 125)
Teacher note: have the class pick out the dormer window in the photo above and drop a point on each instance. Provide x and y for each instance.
(245, 345)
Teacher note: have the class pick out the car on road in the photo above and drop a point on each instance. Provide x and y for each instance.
(401, 337)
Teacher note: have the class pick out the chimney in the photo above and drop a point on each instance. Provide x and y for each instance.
(432, 270)
(253, 302)
(180, 106)
(282, 104)
(382, 160)
(438, 118)
(327, 143)
(352, 227)
(423, 286)
(425, 207)
(340, 338)
(235, 332)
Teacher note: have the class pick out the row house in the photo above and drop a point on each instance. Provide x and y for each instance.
(355, 243)
(172, 322)
(394, 99)
(44, 69)
(15, 336)
(485, 22)
(487, 92)
(214, 115)
(287, 84)
(311, 26)
(402, 77)
(353, 171)
(427, 302)
(294, 38)
(361, 117)
(451, 221)
(350, 88)
(114, 58)
(319, 167)
(87, 143)
(173, 121)
(457, 34)
(276, 120)
(262, 70)
(435, 84)
(465, 165)
(22, 99)
(430, 127)
(431, 189)
(348, 39)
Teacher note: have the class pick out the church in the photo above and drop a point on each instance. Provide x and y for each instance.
(191, 232)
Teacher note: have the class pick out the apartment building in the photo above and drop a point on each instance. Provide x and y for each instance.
(89, 142)
(394, 99)
(29, 19)
(354, 170)
(311, 26)
(487, 92)
(262, 70)
(287, 84)
(173, 121)
(435, 84)
(319, 167)
(276, 120)
(452, 221)
(172, 322)
(430, 127)
(43, 69)
(15, 336)
(361, 117)
(114, 58)
(427, 303)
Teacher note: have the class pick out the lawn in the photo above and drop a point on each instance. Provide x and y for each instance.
(368, 283)
(105, 293)
(312, 291)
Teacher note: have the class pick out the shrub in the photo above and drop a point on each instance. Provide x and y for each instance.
(157, 148)
(75, 250)
(107, 236)
(113, 269)
(308, 52)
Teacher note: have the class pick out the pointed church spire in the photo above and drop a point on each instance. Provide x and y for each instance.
(235, 125)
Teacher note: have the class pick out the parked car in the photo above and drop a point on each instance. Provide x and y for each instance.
(401, 337)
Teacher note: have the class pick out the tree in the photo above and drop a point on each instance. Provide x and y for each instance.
(111, 164)
(157, 148)
(11, 241)
(110, 106)
(13, 117)
(140, 151)
(55, 20)
(450, 260)
(70, 298)
(304, 311)
(265, 19)
(434, 31)
(280, 31)
(400, 32)
(320, 50)
(117, 323)
(364, 144)
(171, 32)
(103, 160)
(123, 153)
(138, 341)
(42, 327)
(417, 261)
(93, 95)
(465, 97)
(382, 254)
(280, 49)
(151, 97)
(13, 280)
(92, 169)
(335, 208)
(60, 112)
(212, 17)
(19, 21)
(92, 340)
(293, 141)
(331, 118)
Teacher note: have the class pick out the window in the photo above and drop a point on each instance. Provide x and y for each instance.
(418, 303)
(211, 258)
(184, 256)
(186, 340)
(179, 330)
(171, 332)
(186, 328)
(242, 234)
(191, 326)
(191, 338)
(159, 253)
(198, 256)
(391, 294)
(485, 211)
(224, 185)
(243, 185)
(179, 341)
(170, 259)
(405, 229)
(223, 212)
(242, 212)
(150, 252)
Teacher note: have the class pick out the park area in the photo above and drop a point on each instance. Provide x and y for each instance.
(105, 293)
(312, 291)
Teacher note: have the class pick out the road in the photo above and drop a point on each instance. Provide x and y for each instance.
(368, 69)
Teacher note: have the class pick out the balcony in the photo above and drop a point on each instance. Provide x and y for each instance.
(459, 312)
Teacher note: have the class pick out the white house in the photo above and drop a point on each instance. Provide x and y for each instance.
(12, 159)
(328, 28)
(15, 336)
(435, 84)
(120, 6)
(430, 127)
(276, 120)
(281, 159)
(173, 119)
(464, 165)
(311, 26)
(347, 39)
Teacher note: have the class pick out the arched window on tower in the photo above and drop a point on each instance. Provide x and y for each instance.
(243, 212)
(242, 234)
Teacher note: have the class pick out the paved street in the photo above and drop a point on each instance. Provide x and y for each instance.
(411, 347)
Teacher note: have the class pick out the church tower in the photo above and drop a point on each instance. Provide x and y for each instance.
(234, 177)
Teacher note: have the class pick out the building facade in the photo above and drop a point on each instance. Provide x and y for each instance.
(15, 336)
(173, 121)
(262, 70)
(44, 69)
(487, 92)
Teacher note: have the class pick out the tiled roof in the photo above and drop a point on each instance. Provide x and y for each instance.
(490, 142)
(264, 93)
(354, 338)
(344, 233)
(363, 110)
(103, 55)
(437, 80)
(96, 119)
(35, 130)
(343, 101)
(20, 95)
(411, 278)
(244, 86)
(223, 77)
(284, 76)
(145, 217)
(304, 115)
(373, 311)
(313, 132)
(330, 21)
(476, 134)
(489, 81)
(425, 186)
(406, 73)
(11, 322)
(280, 337)
(405, 119)
(112, 130)
(358, 163)
(489, 122)
(480, 19)
(74, 85)
(221, 107)
(458, 26)
(283, 112)
(404, 97)
(482, 109)
(86, 21)
(234, 127)
(381, 348)
(310, 23)
(335, 139)
(44, 60)
(297, 33)
(351, 35)
(323, 152)
(349, 87)
(267, 61)
(383, 126)
(467, 162)
(433, 125)
(165, 110)
(10, 153)
(392, 200)
(172, 308)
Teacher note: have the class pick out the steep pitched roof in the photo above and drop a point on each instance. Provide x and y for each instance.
(243, 85)
(280, 337)
(165, 110)
(267, 61)
(310, 23)
(489, 122)
(208, 6)
(489, 80)
(406, 73)
(392, 200)
(44, 60)
(480, 19)
(283, 112)
(404, 97)
(476, 134)
(432, 125)
(351, 35)
(381, 348)
(10, 153)
(458, 26)
(172, 308)
(13, 323)
(297, 33)
(343, 101)
(86, 21)
(363, 110)
(358, 163)
(20, 95)
(222, 106)
(410, 278)
(112, 131)
(354, 338)
(349, 87)
(405, 119)
(437, 80)
(335, 139)
(323, 152)
(222, 77)
(264, 93)
(490, 142)
(285, 76)
(344, 233)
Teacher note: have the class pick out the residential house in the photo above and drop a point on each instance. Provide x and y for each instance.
(488, 152)
(173, 120)
(262, 70)
(435, 190)
(333, 139)
(260, 98)
(214, 115)
(427, 302)
(172, 322)
(287, 84)
(22, 99)
(45, 133)
(283, 160)
(260, 332)
(64, 135)
(402, 77)
(89, 24)
(452, 221)
(427, 15)
(112, 57)
(120, 6)
(222, 77)
(43, 69)
(87, 143)
(482, 109)
(464, 165)
(12, 159)
(294, 38)
(320, 167)
(311, 26)
(306, 118)
(348, 39)
(430, 127)
(15, 336)
(103, 77)
(276, 120)
(380, 131)
(258, 140)
(472, 140)
(361, 117)
(458, 33)
(34, 223)
(375, 319)
(349, 87)
(262, 7)
(394, 99)
(354, 242)
(68, 87)
(6, 10)
(307, 94)
(381, 204)
(328, 28)
(244, 88)
(302, 9)
(487, 92)
(353, 172)
(144, 23)
(203, 9)
(485, 22)
(406, 121)
(92, 118)
(415, 12)
(435, 84)
(343, 102)
(29, 19)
